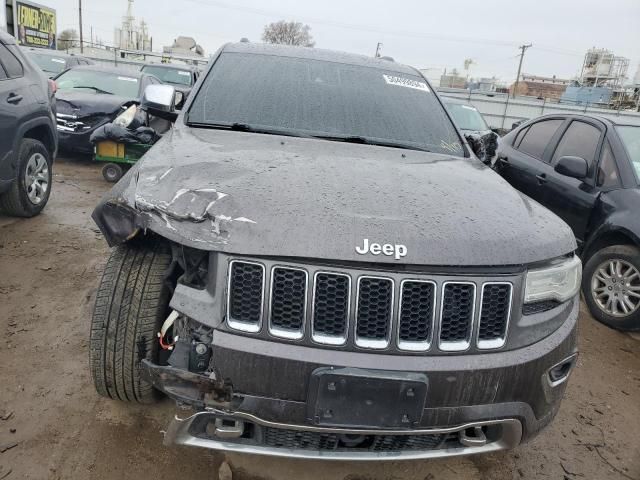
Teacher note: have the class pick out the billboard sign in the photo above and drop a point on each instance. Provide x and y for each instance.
(34, 25)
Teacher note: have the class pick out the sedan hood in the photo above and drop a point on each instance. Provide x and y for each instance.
(253, 194)
(82, 104)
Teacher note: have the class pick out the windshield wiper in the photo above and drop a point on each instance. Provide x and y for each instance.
(97, 90)
(245, 127)
(370, 141)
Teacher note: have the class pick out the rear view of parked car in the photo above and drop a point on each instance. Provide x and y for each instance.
(89, 97)
(28, 140)
(586, 169)
(53, 62)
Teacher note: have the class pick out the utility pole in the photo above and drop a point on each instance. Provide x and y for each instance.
(80, 17)
(378, 49)
(523, 49)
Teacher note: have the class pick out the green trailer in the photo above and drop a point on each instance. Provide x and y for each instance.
(118, 157)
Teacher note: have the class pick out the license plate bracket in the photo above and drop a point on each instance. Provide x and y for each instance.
(353, 397)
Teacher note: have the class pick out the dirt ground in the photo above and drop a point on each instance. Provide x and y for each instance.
(54, 426)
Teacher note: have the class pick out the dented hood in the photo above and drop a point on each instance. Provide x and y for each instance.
(270, 195)
(82, 104)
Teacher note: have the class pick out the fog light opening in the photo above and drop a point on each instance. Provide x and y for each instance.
(559, 373)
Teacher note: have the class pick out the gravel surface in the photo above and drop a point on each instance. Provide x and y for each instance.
(54, 426)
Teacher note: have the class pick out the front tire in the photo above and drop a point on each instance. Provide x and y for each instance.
(131, 303)
(30, 191)
(611, 286)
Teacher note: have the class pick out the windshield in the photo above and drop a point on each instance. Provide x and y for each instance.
(169, 75)
(466, 117)
(324, 99)
(631, 138)
(48, 63)
(99, 82)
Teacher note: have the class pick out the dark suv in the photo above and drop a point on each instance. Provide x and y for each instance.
(28, 139)
(313, 260)
(586, 169)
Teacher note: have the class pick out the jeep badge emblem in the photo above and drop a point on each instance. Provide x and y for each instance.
(398, 251)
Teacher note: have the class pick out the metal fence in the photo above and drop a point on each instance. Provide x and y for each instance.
(501, 111)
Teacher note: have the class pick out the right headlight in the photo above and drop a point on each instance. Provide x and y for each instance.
(560, 281)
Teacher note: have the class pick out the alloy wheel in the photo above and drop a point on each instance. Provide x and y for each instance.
(615, 287)
(37, 178)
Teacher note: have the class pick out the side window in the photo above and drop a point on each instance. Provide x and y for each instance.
(519, 136)
(538, 137)
(11, 64)
(580, 140)
(608, 176)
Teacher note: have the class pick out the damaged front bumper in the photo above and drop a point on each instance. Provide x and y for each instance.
(243, 433)
(262, 399)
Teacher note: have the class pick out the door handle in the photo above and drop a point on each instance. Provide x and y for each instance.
(13, 98)
(542, 178)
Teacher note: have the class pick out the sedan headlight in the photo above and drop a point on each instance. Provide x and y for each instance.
(560, 281)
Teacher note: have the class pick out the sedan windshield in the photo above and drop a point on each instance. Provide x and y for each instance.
(99, 82)
(466, 117)
(49, 63)
(324, 99)
(169, 75)
(631, 138)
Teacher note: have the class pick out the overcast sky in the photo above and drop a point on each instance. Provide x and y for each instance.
(424, 34)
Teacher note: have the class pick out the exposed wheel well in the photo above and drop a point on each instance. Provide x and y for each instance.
(43, 134)
(607, 240)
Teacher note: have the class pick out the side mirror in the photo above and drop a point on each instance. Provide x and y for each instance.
(574, 167)
(160, 101)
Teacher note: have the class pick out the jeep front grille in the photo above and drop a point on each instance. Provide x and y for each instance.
(368, 311)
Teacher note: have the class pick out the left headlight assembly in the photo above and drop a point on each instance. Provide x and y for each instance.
(559, 281)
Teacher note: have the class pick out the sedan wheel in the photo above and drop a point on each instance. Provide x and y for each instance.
(611, 286)
(615, 287)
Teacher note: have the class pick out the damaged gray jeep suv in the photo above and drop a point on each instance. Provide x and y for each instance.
(314, 263)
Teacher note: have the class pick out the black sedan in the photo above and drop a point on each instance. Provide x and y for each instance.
(53, 62)
(89, 97)
(586, 169)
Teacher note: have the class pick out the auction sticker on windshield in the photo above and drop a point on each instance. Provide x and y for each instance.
(128, 79)
(405, 82)
(181, 72)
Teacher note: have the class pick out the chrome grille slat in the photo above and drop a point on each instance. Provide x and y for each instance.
(331, 307)
(457, 313)
(287, 302)
(416, 314)
(374, 312)
(245, 297)
(495, 312)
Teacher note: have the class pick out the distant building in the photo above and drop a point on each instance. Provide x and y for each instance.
(541, 87)
(577, 94)
(601, 68)
(131, 36)
(452, 80)
(185, 46)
